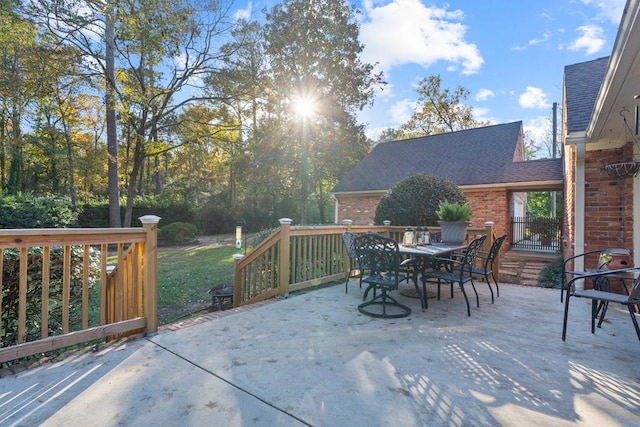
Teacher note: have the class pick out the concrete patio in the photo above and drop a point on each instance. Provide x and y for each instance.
(313, 359)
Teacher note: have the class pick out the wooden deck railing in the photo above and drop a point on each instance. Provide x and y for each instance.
(299, 257)
(55, 297)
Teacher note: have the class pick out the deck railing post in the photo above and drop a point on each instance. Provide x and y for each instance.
(387, 225)
(285, 254)
(150, 271)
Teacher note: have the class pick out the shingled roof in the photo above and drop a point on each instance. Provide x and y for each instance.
(582, 83)
(480, 156)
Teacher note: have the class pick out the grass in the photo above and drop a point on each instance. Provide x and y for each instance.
(186, 275)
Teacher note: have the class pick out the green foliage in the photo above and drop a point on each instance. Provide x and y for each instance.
(177, 233)
(439, 111)
(551, 275)
(414, 200)
(27, 211)
(261, 236)
(453, 211)
(10, 291)
(539, 204)
(95, 213)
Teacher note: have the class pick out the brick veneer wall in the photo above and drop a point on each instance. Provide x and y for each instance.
(608, 201)
(608, 205)
(360, 209)
(485, 206)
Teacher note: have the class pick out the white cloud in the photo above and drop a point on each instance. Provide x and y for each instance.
(482, 114)
(609, 10)
(533, 97)
(592, 39)
(484, 94)
(401, 111)
(545, 36)
(407, 31)
(244, 14)
(539, 134)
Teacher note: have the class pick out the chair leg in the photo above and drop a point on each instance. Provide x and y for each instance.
(476, 292)
(486, 278)
(465, 298)
(602, 308)
(594, 310)
(423, 295)
(632, 312)
(346, 283)
(566, 315)
(497, 287)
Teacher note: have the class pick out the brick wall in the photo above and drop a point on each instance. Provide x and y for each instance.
(485, 206)
(608, 201)
(360, 209)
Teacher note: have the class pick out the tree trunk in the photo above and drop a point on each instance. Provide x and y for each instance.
(112, 134)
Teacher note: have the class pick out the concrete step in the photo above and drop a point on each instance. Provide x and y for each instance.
(523, 267)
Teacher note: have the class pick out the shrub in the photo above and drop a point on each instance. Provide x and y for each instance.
(177, 233)
(11, 286)
(414, 200)
(27, 211)
(551, 275)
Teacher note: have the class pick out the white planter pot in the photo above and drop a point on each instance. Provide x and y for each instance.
(454, 232)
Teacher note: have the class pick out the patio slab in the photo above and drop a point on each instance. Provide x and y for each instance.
(313, 359)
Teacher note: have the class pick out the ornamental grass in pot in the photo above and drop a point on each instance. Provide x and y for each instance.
(454, 221)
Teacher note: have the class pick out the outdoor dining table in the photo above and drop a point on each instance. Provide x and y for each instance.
(424, 253)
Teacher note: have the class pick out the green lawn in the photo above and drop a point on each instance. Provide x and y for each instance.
(185, 275)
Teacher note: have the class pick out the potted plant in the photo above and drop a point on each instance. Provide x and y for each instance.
(454, 221)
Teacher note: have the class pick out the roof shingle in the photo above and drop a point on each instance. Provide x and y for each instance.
(479, 156)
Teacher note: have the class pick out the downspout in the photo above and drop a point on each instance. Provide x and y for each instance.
(579, 208)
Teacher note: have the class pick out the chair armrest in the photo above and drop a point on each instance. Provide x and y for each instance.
(600, 273)
(408, 261)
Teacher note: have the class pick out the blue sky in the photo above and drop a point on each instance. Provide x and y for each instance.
(510, 54)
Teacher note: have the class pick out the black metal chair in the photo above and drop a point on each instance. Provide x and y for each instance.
(489, 260)
(455, 270)
(598, 296)
(383, 258)
(355, 263)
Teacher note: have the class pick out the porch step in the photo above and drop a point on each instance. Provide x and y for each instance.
(523, 267)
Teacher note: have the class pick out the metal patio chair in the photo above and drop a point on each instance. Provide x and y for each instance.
(456, 270)
(355, 263)
(383, 258)
(598, 296)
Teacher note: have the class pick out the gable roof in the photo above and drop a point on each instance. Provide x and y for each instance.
(582, 83)
(480, 156)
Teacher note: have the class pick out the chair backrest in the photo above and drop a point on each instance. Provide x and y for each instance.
(494, 251)
(349, 238)
(379, 253)
(471, 253)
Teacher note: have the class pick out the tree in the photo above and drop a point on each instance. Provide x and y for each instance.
(439, 110)
(314, 55)
(160, 47)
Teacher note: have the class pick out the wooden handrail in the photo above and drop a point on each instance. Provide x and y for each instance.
(297, 257)
(128, 286)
